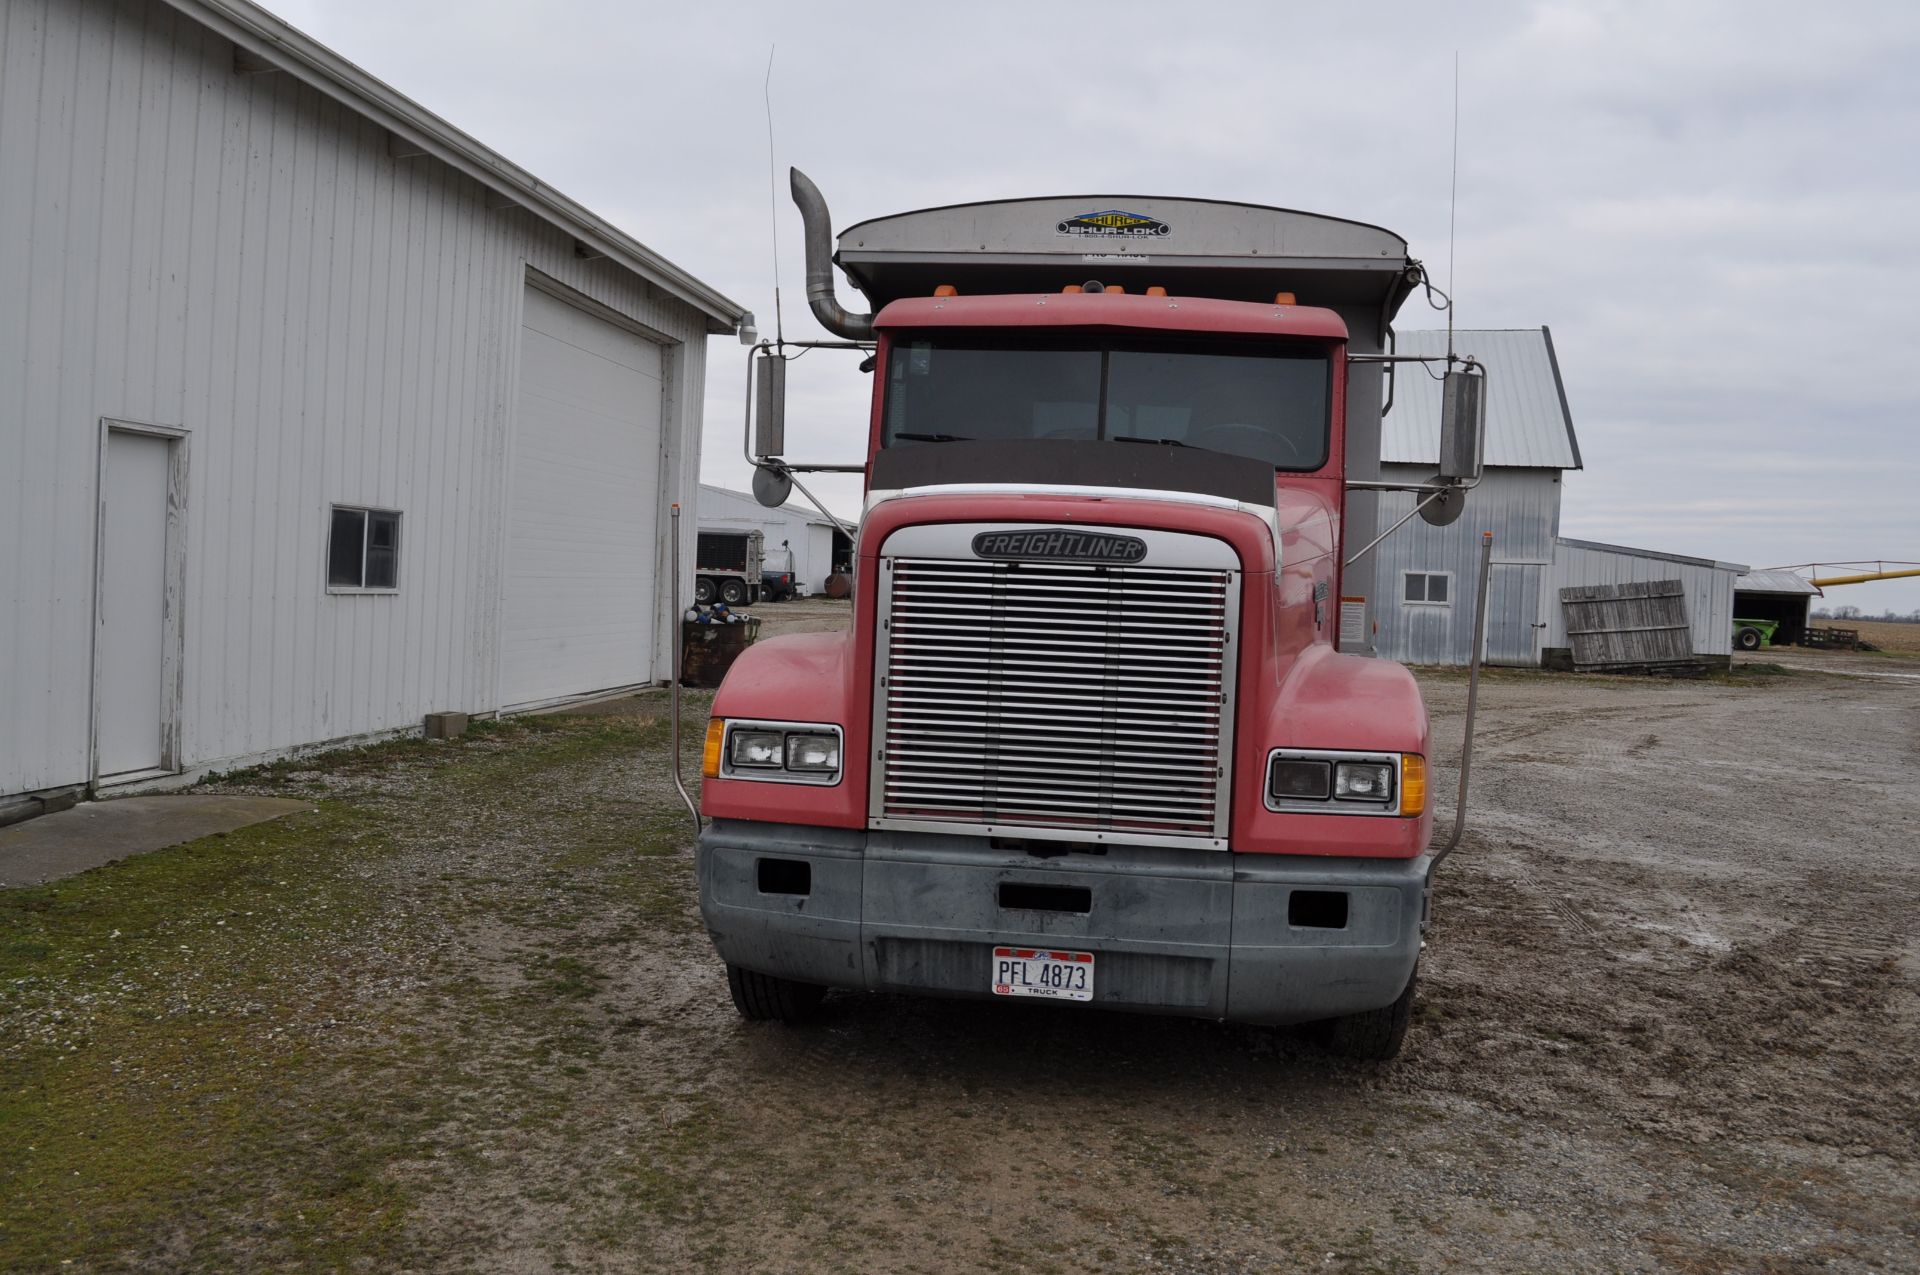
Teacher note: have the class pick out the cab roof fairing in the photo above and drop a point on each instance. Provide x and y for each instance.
(1192, 247)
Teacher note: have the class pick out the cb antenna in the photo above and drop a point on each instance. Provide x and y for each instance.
(1453, 204)
(773, 203)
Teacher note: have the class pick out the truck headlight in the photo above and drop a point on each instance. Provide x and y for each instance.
(1299, 778)
(1363, 781)
(759, 749)
(1337, 781)
(810, 751)
(780, 752)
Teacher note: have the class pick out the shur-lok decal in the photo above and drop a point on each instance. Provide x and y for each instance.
(1058, 544)
(1114, 224)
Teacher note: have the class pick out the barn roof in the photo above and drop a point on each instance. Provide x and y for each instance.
(792, 508)
(1528, 423)
(265, 43)
(1789, 582)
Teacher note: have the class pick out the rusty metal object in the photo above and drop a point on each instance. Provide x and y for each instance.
(709, 650)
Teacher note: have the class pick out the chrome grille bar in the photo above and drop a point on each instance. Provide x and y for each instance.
(1058, 700)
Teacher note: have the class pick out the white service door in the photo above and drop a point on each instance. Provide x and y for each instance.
(132, 604)
(582, 532)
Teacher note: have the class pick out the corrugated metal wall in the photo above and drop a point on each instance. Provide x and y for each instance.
(1522, 509)
(812, 545)
(1709, 588)
(241, 257)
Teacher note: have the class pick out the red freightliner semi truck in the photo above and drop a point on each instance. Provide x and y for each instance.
(1106, 728)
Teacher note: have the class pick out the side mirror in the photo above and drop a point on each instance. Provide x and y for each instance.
(772, 486)
(1463, 425)
(769, 405)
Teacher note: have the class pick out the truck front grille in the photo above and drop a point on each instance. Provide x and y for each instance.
(1029, 696)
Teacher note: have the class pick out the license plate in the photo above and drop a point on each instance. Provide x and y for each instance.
(1029, 971)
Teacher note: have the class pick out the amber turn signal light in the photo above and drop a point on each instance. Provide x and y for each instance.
(710, 757)
(1413, 784)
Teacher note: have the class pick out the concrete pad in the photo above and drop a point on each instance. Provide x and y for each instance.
(96, 832)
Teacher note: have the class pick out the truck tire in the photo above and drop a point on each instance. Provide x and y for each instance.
(733, 592)
(1373, 1036)
(763, 998)
(703, 591)
(1747, 639)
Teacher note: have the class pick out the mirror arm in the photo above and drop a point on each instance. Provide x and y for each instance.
(813, 500)
(773, 350)
(1418, 505)
(746, 427)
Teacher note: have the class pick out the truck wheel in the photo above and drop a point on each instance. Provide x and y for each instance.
(703, 591)
(763, 998)
(1747, 639)
(733, 592)
(1373, 1036)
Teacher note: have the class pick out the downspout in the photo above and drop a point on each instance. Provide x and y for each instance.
(819, 236)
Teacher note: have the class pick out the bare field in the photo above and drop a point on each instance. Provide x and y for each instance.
(1900, 639)
(463, 1018)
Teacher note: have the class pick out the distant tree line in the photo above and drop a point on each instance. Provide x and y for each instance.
(1853, 613)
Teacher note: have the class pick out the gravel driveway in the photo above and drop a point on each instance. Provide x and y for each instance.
(464, 1019)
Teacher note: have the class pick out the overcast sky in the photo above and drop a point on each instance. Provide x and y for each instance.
(1713, 206)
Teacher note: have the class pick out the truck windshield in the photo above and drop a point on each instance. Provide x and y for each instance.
(1263, 401)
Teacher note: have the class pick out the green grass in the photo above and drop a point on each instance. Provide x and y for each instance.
(1745, 674)
(154, 1049)
(192, 1074)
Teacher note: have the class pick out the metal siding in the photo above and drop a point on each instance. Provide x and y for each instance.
(811, 539)
(1791, 583)
(1527, 421)
(240, 256)
(1522, 509)
(1709, 589)
(580, 579)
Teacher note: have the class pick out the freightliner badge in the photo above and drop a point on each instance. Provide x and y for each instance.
(1059, 544)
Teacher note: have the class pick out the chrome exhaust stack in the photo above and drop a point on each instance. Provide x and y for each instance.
(819, 229)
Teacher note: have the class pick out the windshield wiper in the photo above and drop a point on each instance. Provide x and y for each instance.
(1161, 442)
(936, 438)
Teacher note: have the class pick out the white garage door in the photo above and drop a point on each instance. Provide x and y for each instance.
(582, 533)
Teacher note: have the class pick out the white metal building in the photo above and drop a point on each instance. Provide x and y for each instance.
(1426, 575)
(316, 415)
(810, 537)
(1785, 597)
(1709, 587)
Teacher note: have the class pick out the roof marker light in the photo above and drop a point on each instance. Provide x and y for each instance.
(1114, 287)
(1284, 298)
(1073, 287)
(946, 290)
(1156, 291)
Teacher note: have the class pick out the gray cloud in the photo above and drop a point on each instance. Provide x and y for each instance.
(1711, 204)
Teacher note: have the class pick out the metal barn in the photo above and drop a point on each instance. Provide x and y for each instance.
(1426, 575)
(1785, 597)
(316, 415)
(1708, 585)
(816, 544)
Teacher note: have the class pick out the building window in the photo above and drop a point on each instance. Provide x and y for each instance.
(1427, 588)
(363, 549)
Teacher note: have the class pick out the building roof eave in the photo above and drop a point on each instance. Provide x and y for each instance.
(273, 41)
